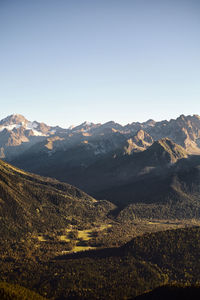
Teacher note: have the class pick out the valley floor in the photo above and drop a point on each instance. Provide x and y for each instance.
(113, 234)
(56, 265)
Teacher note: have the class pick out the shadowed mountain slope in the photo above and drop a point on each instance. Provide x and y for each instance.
(31, 203)
(172, 293)
(81, 168)
(168, 194)
(162, 176)
(181, 180)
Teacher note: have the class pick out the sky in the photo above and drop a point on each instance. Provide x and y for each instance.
(67, 61)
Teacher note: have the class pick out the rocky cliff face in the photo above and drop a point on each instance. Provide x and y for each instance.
(18, 134)
(139, 142)
(184, 131)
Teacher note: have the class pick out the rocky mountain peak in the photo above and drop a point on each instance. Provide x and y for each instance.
(196, 117)
(140, 142)
(83, 127)
(14, 119)
(112, 125)
(149, 122)
(166, 148)
(134, 137)
(141, 134)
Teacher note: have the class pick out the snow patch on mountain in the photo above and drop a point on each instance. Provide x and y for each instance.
(9, 127)
(38, 133)
(31, 125)
(28, 126)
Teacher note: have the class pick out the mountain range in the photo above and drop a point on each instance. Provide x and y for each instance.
(142, 179)
(17, 134)
(114, 162)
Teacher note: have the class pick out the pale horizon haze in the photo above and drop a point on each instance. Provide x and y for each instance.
(65, 62)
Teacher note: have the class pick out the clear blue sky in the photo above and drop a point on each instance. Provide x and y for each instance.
(67, 61)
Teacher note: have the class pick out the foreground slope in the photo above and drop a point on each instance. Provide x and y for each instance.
(31, 203)
(141, 265)
(36, 206)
